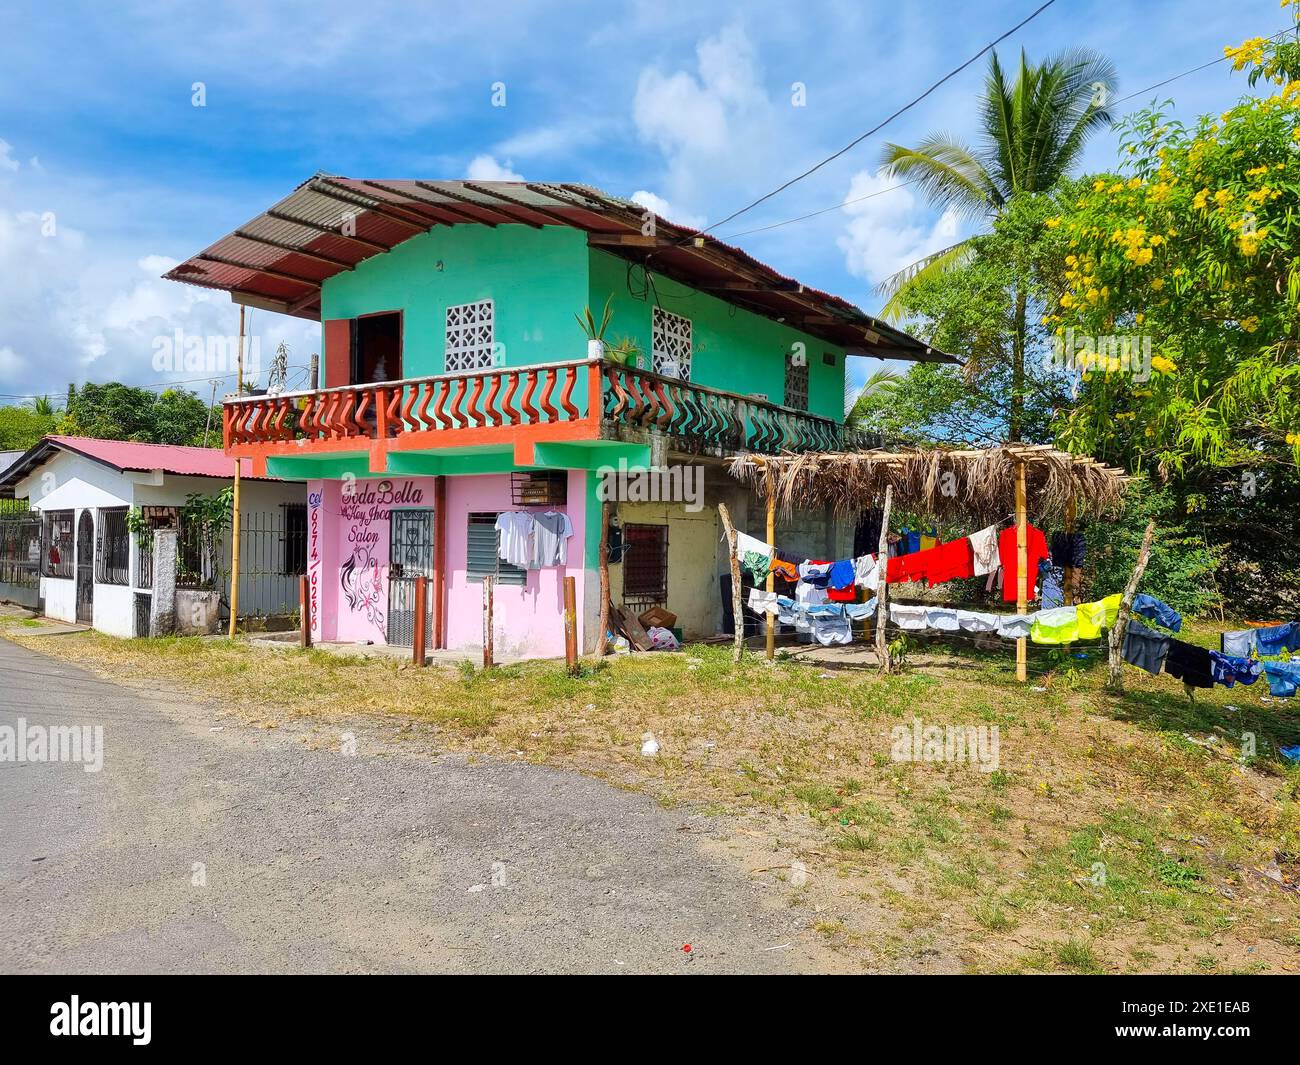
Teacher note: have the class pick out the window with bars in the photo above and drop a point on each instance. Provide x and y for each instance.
(645, 564)
(112, 547)
(670, 344)
(483, 552)
(470, 339)
(294, 539)
(58, 541)
(796, 384)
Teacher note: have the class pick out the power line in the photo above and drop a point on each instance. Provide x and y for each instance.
(876, 129)
(207, 379)
(904, 184)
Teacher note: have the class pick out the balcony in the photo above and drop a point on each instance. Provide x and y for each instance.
(563, 402)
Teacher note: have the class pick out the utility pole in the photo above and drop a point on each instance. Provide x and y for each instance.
(234, 539)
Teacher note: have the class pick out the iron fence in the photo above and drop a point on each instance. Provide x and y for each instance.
(20, 549)
(272, 556)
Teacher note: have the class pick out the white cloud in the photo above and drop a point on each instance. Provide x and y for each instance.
(652, 202)
(7, 160)
(888, 232)
(486, 168)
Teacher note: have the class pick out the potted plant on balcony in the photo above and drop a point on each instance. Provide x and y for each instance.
(624, 352)
(596, 333)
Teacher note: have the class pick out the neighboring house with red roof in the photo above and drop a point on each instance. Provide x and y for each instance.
(88, 566)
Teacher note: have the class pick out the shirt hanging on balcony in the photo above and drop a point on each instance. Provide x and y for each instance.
(515, 529)
(551, 532)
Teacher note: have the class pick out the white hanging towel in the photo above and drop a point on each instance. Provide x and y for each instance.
(984, 548)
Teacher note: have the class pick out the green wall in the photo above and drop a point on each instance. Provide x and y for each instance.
(735, 350)
(537, 278)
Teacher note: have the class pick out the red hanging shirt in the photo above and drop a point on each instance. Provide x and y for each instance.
(1035, 550)
(950, 561)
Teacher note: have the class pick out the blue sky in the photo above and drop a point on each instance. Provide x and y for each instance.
(109, 174)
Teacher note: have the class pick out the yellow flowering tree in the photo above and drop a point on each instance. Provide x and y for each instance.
(1192, 247)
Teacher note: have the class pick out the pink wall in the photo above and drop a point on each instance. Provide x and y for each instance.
(528, 620)
(348, 556)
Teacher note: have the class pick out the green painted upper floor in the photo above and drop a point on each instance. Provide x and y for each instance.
(471, 296)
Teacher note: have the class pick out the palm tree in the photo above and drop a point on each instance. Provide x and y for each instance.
(1034, 130)
(41, 405)
(880, 383)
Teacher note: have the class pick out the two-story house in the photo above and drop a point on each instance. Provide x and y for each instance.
(456, 385)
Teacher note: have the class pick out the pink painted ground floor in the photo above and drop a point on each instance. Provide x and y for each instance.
(368, 538)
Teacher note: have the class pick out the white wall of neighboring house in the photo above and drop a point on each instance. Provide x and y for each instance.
(71, 482)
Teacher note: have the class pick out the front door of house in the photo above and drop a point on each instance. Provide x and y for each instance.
(410, 555)
(86, 569)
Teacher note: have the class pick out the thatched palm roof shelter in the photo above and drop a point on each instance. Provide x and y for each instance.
(940, 483)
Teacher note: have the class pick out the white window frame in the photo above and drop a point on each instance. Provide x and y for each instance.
(795, 395)
(671, 344)
(470, 342)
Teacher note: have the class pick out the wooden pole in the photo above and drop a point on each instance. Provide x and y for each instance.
(1071, 573)
(1115, 682)
(570, 625)
(234, 538)
(882, 591)
(771, 577)
(439, 560)
(420, 628)
(737, 619)
(602, 638)
(304, 611)
(1022, 566)
(487, 622)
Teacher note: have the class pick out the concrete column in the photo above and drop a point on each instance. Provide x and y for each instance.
(162, 612)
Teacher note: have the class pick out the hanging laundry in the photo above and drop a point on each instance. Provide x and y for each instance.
(974, 621)
(1229, 669)
(755, 557)
(862, 611)
(829, 629)
(909, 567)
(984, 550)
(816, 573)
(1093, 617)
(909, 618)
(785, 568)
(1015, 626)
(1057, 626)
(909, 541)
(1068, 549)
(928, 541)
(1151, 608)
(866, 574)
(1283, 678)
(951, 561)
(515, 530)
(1272, 640)
(942, 618)
(840, 582)
(1036, 549)
(551, 532)
(1052, 579)
(806, 594)
(1145, 648)
(1240, 644)
(763, 602)
(1189, 663)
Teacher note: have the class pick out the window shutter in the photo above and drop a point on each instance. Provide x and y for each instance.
(338, 352)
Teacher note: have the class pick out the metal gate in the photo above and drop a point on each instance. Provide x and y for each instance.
(410, 555)
(86, 569)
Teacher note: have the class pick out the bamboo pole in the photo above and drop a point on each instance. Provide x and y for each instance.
(771, 577)
(487, 622)
(570, 625)
(737, 619)
(1115, 682)
(234, 538)
(1022, 566)
(602, 638)
(882, 590)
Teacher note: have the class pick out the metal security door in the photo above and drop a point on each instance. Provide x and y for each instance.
(86, 569)
(410, 555)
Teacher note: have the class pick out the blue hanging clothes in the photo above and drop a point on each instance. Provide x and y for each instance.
(1151, 608)
(1229, 669)
(1283, 678)
(1275, 638)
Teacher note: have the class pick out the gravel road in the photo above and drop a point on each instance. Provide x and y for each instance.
(205, 845)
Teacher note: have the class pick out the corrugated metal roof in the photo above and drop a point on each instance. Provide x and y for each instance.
(329, 224)
(131, 455)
